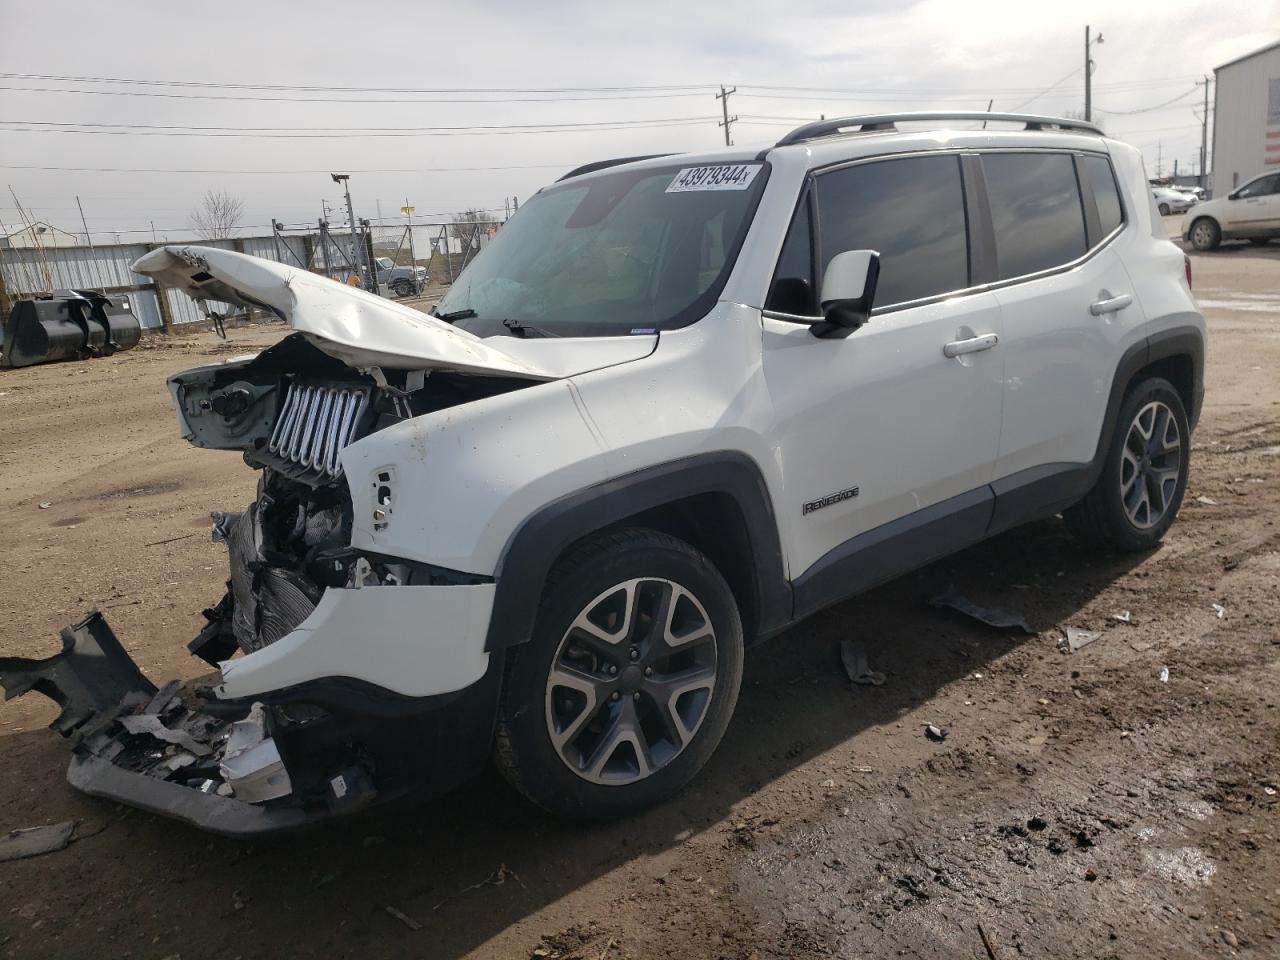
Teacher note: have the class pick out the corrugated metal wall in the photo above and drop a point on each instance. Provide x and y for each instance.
(1244, 114)
(28, 271)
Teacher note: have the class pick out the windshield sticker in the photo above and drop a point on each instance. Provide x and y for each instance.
(731, 176)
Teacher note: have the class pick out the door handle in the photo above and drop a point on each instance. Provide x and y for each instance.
(958, 348)
(1110, 305)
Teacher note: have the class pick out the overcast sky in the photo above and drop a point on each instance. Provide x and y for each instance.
(887, 54)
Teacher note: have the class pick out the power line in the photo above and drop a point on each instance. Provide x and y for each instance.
(268, 133)
(1158, 106)
(1051, 86)
(399, 128)
(358, 100)
(531, 166)
(201, 84)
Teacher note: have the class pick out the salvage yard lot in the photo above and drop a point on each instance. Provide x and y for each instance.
(1079, 806)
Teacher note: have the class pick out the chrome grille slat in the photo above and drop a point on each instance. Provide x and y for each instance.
(315, 424)
(285, 420)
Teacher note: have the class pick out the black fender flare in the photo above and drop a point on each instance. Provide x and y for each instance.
(1176, 341)
(543, 536)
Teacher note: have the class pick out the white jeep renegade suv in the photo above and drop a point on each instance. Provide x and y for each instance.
(677, 404)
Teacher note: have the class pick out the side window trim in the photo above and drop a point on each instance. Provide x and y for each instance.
(983, 265)
(803, 205)
(980, 230)
(1092, 221)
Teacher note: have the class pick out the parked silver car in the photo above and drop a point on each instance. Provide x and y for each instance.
(404, 280)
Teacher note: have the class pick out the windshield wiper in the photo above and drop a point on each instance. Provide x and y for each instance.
(521, 329)
(466, 313)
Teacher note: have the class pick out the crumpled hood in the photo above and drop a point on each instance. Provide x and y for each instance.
(364, 330)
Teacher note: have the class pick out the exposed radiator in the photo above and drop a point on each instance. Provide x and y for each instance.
(316, 423)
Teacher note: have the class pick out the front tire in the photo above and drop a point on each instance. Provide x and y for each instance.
(1144, 477)
(1164, 210)
(629, 680)
(1205, 234)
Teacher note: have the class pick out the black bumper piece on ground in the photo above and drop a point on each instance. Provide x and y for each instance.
(346, 745)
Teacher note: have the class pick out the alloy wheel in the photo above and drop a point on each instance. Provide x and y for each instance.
(1202, 236)
(1150, 465)
(631, 681)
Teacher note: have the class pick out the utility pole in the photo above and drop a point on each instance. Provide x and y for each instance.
(1088, 79)
(407, 210)
(728, 121)
(1088, 73)
(357, 259)
(1204, 134)
(1159, 158)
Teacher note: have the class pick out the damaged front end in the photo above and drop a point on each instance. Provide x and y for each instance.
(315, 741)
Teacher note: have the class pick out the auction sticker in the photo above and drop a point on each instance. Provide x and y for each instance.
(729, 176)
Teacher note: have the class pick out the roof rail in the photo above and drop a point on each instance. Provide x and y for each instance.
(888, 121)
(605, 164)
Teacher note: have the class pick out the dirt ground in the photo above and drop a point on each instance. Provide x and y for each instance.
(1079, 806)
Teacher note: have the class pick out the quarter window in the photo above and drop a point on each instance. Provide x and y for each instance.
(792, 290)
(1105, 194)
(911, 211)
(1036, 211)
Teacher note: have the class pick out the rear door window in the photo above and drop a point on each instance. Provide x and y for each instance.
(1036, 211)
(1105, 194)
(911, 211)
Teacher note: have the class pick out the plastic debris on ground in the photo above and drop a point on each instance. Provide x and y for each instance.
(35, 841)
(1124, 616)
(855, 663)
(1220, 610)
(404, 918)
(1164, 674)
(935, 733)
(1207, 501)
(953, 599)
(1076, 638)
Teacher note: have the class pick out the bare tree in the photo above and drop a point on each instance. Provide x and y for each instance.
(464, 224)
(217, 217)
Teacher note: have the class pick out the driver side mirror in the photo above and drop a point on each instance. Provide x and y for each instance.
(848, 292)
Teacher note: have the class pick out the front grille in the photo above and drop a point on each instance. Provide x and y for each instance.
(316, 423)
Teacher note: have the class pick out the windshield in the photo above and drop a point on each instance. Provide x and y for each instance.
(631, 251)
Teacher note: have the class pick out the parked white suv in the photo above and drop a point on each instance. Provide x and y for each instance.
(678, 404)
(1250, 212)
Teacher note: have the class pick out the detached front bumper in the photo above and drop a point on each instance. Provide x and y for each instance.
(281, 761)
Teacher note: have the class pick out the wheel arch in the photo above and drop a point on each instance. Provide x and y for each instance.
(1175, 353)
(1212, 219)
(717, 502)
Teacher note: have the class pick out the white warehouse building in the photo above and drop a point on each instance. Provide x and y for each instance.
(1246, 118)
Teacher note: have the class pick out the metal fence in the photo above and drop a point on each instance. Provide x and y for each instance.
(443, 249)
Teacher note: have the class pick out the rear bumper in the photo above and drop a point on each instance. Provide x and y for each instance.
(317, 750)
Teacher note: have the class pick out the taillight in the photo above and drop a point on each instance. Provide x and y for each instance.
(1186, 264)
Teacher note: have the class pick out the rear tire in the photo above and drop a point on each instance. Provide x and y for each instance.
(629, 680)
(1144, 477)
(1205, 234)
(1164, 210)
